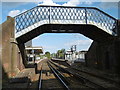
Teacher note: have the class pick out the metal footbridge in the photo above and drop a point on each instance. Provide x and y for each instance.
(63, 15)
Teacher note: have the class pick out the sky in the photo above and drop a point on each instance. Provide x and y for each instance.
(51, 41)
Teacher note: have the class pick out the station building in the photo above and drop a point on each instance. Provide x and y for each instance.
(81, 56)
(33, 54)
(75, 56)
(68, 55)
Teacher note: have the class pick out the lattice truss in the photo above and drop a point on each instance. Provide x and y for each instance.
(65, 15)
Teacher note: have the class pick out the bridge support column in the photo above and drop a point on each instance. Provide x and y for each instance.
(11, 58)
(14, 56)
(23, 53)
(105, 56)
(117, 53)
(117, 48)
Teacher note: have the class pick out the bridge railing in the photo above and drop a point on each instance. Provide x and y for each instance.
(65, 15)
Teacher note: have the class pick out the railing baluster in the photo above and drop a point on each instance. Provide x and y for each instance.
(50, 15)
(86, 15)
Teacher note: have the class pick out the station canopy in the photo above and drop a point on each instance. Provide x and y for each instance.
(35, 50)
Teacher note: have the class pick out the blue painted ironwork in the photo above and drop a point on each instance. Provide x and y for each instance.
(69, 15)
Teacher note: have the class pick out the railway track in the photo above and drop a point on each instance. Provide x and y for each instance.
(83, 76)
(40, 80)
(62, 79)
(59, 76)
(83, 71)
(46, 81)
(81, 81)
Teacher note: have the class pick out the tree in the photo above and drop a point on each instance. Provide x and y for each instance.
(47, 54)
(53, 55)
(61, 54)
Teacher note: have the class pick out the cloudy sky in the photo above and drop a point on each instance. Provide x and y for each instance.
(53, 42)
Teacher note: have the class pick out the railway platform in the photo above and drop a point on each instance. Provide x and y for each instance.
(27, 78)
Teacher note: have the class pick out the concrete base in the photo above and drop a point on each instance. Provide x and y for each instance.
(104, 56)
(11, 57)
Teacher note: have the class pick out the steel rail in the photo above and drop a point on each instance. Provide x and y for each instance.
(79, 76)
(62, 76)
(40, 80)
(58, 76)
(104, 78)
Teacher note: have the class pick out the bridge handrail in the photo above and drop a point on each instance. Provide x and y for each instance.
(69, 7)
